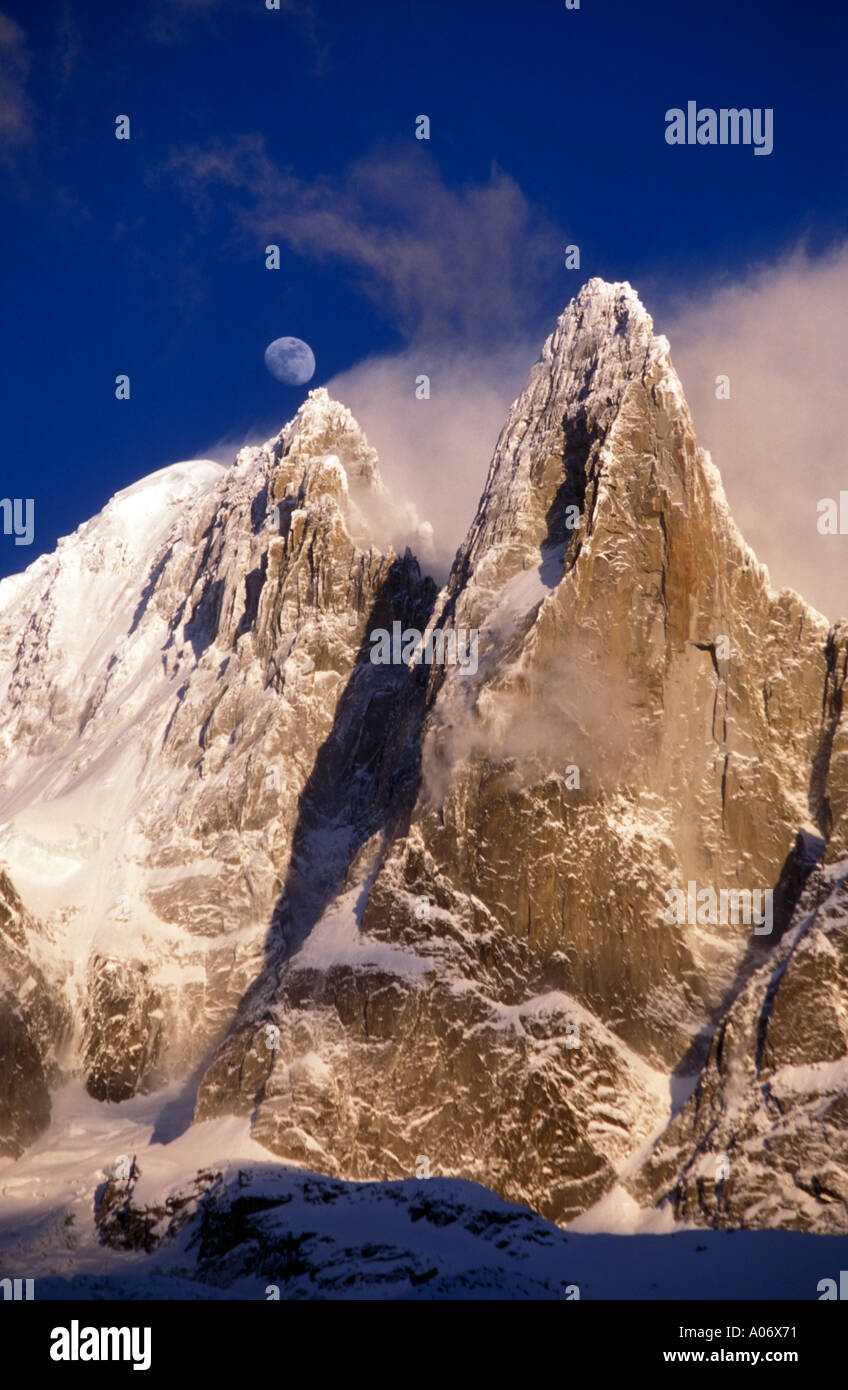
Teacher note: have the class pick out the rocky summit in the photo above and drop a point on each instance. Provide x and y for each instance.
(572, 925)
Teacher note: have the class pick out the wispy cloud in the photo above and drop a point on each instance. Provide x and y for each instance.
(69, 45)
(17, 111)
(171, 21)
(779, 441)
(466, 275)
(436, 452)
(174, 21)
(442, 263)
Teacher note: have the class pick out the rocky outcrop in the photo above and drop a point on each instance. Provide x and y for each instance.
(281, 1236)
(763, 1140)
(33, 1022)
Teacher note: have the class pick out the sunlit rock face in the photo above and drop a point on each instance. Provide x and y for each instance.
(625, 631)
(425, 918)
(189, 651)
(763, 1140)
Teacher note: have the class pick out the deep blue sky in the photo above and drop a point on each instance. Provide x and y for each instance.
(108, 267)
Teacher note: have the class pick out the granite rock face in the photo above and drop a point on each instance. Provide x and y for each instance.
(33, 1022)
(626, 734)
(763, 1140)
(426, 917)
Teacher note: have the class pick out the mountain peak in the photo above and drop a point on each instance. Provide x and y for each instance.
(607, 307)
(554, 453)
(324, 427)
(609, 292)
(410, 911)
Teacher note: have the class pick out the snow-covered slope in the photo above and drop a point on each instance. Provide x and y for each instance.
(168, 676)
(204, 1212)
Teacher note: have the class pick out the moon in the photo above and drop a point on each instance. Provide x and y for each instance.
(290, 360)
